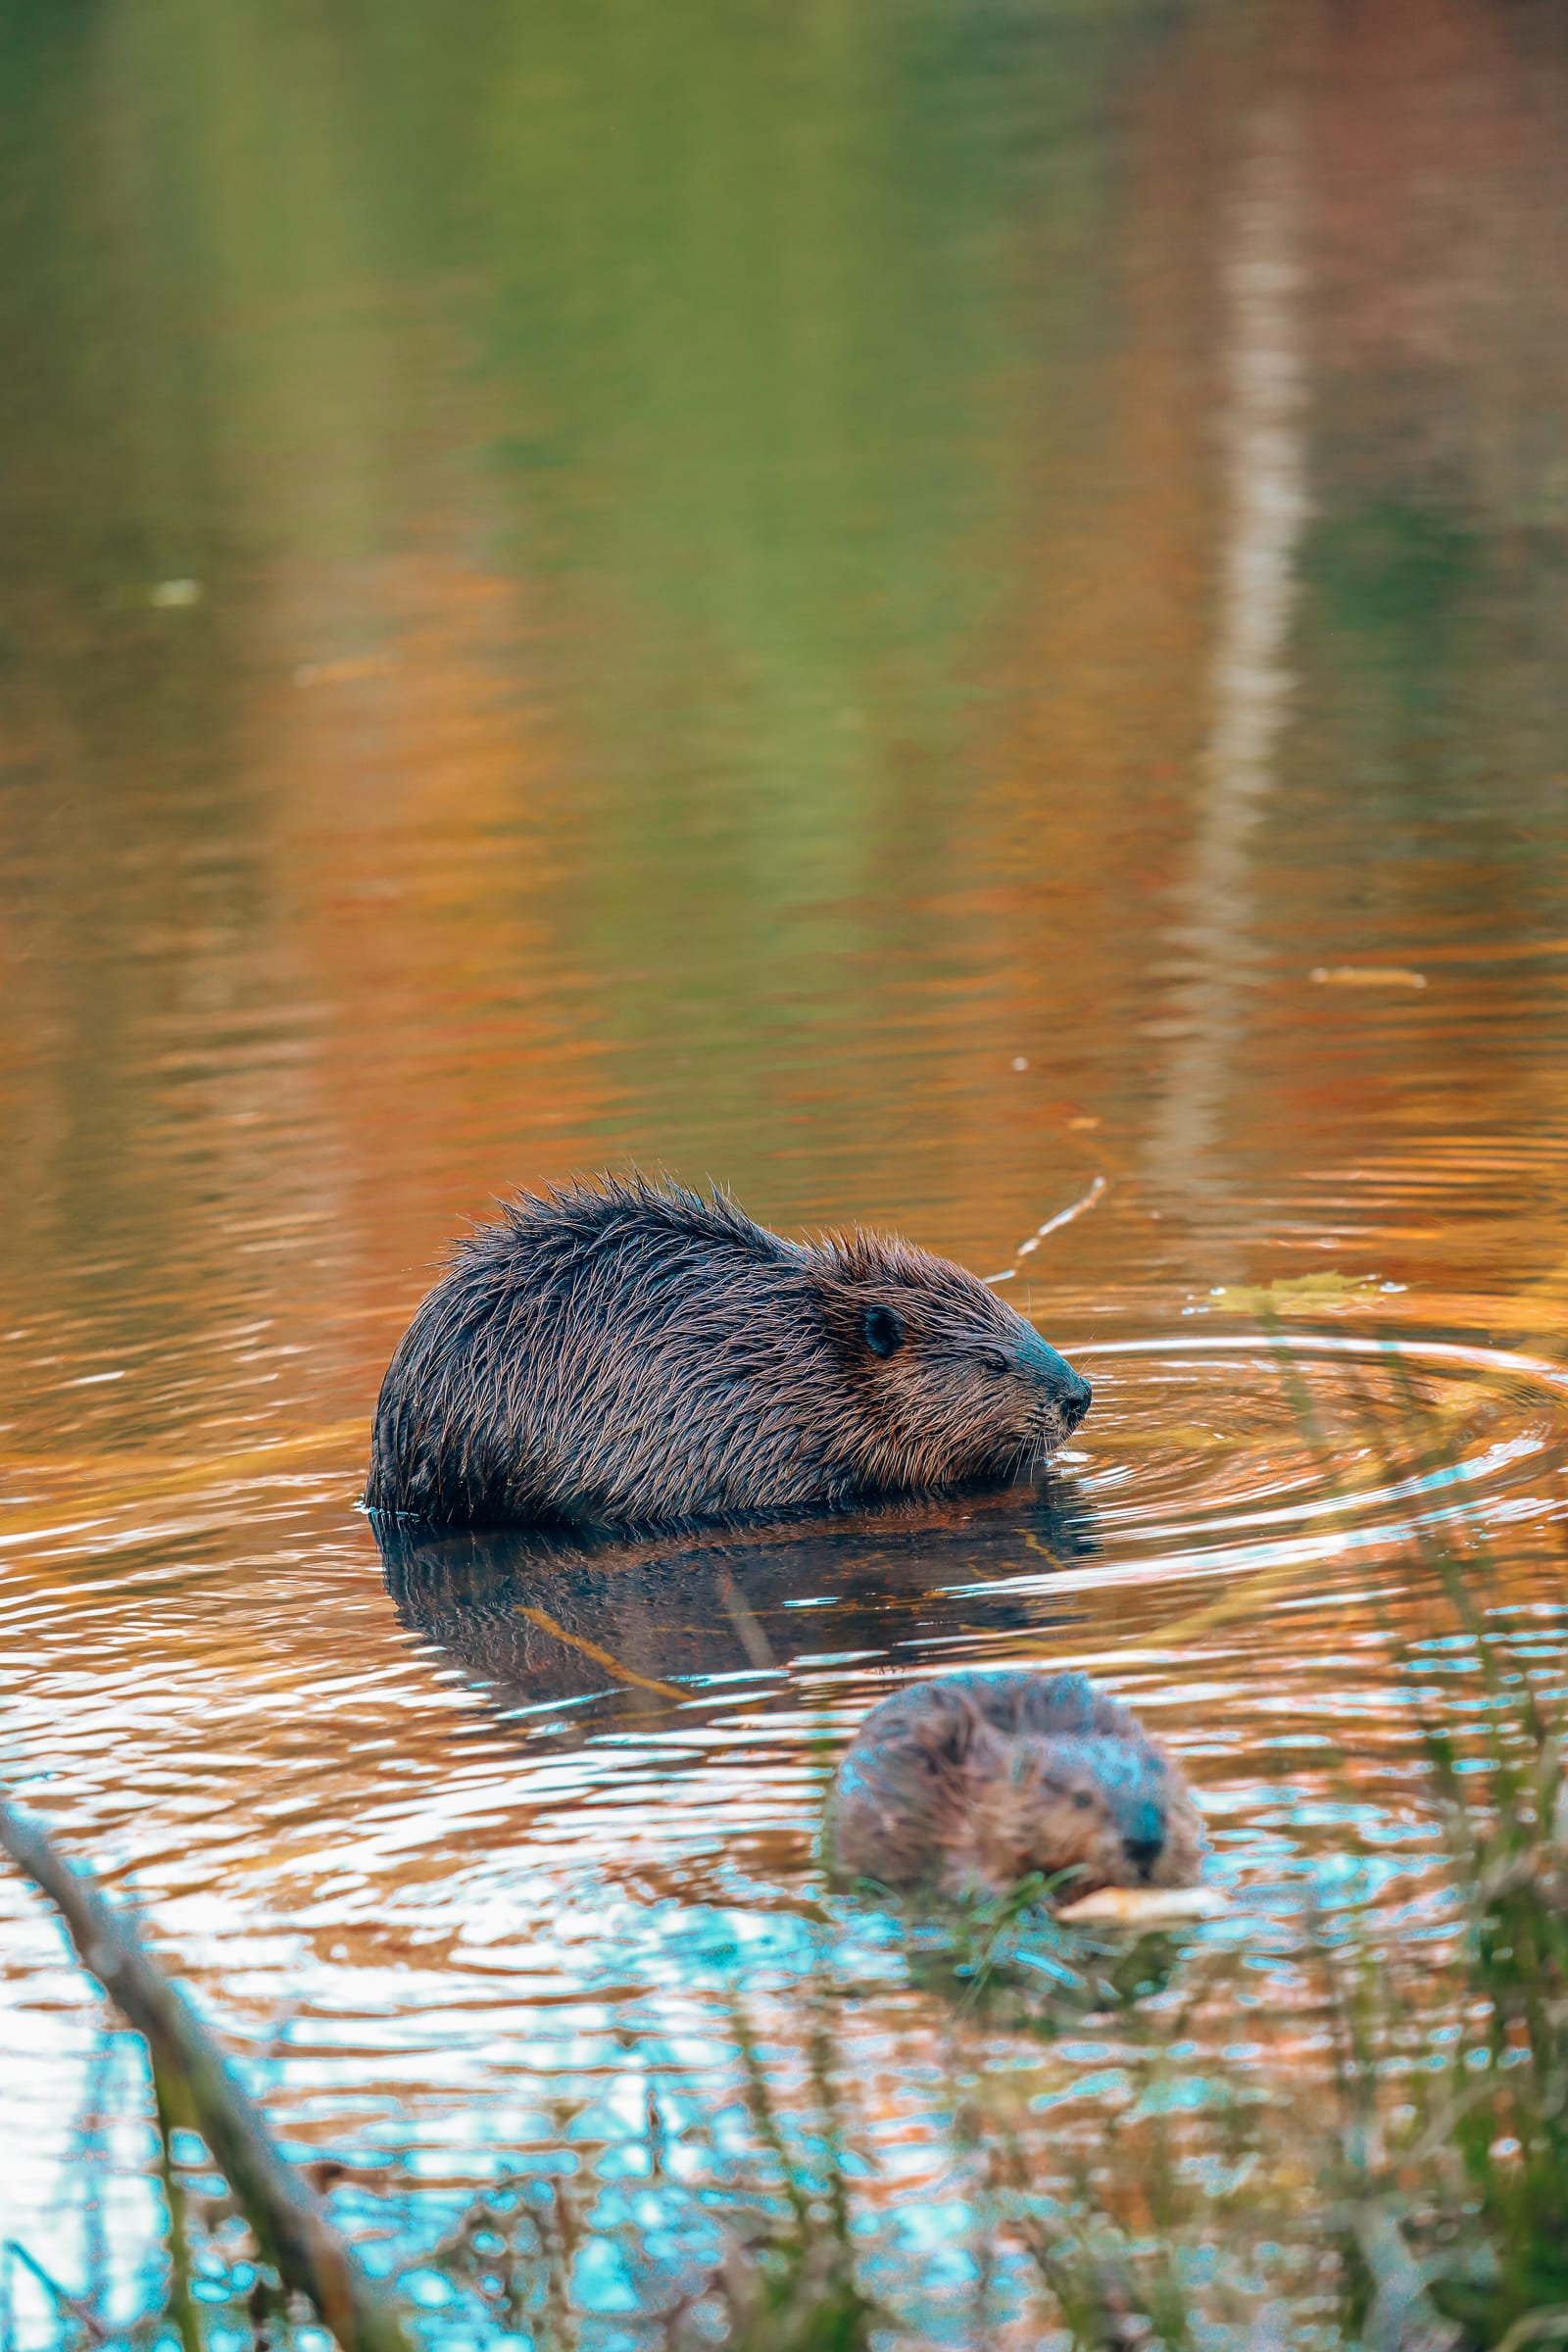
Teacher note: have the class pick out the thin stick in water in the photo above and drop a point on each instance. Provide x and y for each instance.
(289, 2222)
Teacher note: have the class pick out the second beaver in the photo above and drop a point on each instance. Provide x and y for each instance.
(628, 1354)
(965, 1786)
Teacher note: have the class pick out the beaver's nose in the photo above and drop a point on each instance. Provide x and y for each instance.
(1076, 1398)
(1067, 1390)
(1143, 1826)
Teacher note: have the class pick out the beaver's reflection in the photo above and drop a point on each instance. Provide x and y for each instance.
(542, 1620)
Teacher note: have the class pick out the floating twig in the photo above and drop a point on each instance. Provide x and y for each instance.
(600, 1657)
(1063, 1216)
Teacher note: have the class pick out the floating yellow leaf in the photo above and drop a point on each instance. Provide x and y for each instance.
(1366, 975)
(346, 671)
(1300, 1294)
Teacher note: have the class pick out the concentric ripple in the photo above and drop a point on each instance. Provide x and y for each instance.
(492, 1818)
(1216, 1453)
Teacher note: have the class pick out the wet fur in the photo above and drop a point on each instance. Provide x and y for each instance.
(628, 1354)
(962, 1786)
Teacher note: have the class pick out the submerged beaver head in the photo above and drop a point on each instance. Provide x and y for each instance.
(965, 1786)
(1093, 1808)
(629, 1354)
(956, 1384)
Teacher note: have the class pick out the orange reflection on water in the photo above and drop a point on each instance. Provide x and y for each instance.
(719, 680)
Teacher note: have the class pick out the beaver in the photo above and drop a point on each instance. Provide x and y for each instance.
(965, 1786)
(628, 1354)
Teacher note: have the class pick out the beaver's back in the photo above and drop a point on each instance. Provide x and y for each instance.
(624, 1355)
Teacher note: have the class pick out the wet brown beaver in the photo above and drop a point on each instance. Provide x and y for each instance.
(965, 1786)
(628, 1354)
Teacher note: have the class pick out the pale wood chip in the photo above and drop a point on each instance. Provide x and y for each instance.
(1146, 1906)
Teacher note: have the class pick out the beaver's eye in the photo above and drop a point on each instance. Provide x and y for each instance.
(884, 1330)
(993, 1359)
(1082, 1799)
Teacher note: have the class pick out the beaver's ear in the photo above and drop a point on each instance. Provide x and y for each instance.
(859, 1326)
(952, 1729)
(883, 1330)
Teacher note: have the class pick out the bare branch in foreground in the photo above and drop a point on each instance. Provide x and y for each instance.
(289, 2222)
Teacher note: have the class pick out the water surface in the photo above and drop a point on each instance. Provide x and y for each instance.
(933, 613)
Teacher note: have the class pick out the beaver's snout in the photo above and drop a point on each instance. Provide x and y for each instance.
(1068, 1395)
(1145, 1842)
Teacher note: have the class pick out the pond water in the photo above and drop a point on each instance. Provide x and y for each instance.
(945, 614)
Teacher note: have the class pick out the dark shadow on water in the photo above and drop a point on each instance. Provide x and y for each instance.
(541, 1618)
